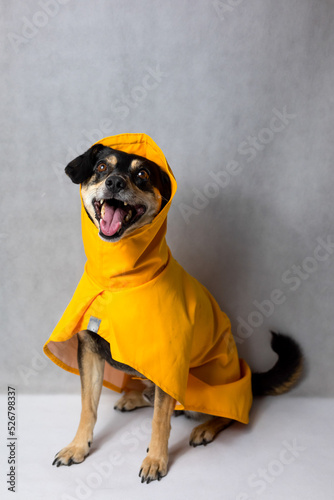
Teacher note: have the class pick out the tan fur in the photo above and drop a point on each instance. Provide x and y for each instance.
(111, 160)
(288, 384)
(89, 191)
(155, 464)
(91, 385)
(135, 164)
(158, 197)
(206, 432)
(130, 401)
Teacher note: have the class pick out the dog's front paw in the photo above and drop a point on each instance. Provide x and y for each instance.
(152, 468)
(72, 454)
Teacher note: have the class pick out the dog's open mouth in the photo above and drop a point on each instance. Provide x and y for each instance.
(115, 216)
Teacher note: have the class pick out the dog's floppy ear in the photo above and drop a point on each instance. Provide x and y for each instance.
(81, 168)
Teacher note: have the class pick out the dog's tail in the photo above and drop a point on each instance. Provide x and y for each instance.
(285, 373)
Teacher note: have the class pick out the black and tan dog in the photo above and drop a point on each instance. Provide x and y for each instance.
(122, 192)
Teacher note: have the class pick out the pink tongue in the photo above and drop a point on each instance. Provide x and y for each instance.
(112, 220)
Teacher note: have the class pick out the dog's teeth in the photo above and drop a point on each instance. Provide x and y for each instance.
(128, 217)
(125, 203)
(101, 202)
(103, 209)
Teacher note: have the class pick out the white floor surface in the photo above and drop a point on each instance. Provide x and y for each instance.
(286, 452)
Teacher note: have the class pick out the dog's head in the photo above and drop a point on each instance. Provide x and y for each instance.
(120, 191)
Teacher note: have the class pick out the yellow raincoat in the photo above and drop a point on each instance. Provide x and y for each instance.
(157, 318)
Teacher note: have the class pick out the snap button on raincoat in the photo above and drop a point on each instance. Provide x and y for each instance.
(157, 318)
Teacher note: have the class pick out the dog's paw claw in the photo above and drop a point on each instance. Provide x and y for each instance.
(200, 437)
(71, 454)
(153, 469)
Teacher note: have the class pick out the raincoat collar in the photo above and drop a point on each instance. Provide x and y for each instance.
(143, 254)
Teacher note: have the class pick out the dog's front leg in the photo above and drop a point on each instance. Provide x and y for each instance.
(91, 367)
(154, 465)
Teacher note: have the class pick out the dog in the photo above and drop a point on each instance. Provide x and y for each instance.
(122, 194)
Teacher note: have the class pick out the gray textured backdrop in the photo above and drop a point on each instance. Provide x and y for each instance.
(239, 96)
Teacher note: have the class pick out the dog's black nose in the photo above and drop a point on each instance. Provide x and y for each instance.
(115, 183)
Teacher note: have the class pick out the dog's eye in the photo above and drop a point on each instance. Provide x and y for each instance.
(102, 167)
(143, 174)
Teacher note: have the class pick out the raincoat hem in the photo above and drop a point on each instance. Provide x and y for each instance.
(214, 413)
(70, 369)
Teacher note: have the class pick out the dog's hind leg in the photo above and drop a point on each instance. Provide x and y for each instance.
(206, 432)
(132, 400)
(154, 465)
(91, 367)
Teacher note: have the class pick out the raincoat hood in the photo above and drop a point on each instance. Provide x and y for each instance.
(136, 258)
(156, 317)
